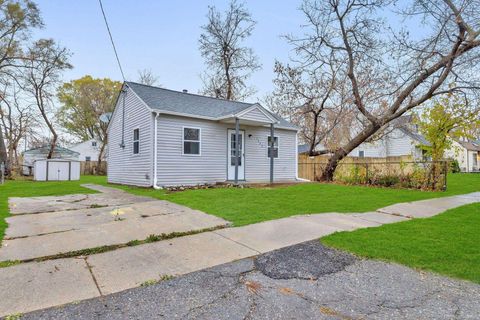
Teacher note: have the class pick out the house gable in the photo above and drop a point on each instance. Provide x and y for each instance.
(256, 113)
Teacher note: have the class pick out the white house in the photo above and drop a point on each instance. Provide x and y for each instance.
(399, 139)
(467, 153)
(30, 156)
(160, 137)
(88, 150)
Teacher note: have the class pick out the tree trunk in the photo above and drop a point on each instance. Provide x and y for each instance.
(52, 145)
(100, 154)
(3, 149)
(339, 154)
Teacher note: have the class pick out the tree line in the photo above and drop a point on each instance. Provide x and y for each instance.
(356, 67)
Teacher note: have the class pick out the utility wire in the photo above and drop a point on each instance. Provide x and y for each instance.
(111, 39)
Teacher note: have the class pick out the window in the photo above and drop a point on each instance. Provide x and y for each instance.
(94, 143)
(275, 147)
(136, 141)
(87, 158)
(361, 154)
(191, 141)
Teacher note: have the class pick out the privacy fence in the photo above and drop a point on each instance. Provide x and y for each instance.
(397, 172)
(92, 168)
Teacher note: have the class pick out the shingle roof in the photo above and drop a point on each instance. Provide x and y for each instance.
(192, 104)
(414, 135)
(46, 149)
(470, 145)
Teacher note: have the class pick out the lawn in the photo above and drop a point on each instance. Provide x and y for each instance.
(447, 243)
(251, 205)
(33, 189)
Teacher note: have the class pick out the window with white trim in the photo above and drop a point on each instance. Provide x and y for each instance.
(191, 141)
(136, 141)
(275, 147)
(94, 143)
(361, 154)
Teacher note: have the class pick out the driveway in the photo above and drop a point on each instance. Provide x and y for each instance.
(305, 281)
(42, 227)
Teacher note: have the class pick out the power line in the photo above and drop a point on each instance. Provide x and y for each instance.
(111, 39)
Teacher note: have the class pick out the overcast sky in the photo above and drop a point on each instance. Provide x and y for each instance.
(162, 36)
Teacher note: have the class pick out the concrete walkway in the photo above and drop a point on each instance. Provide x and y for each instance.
(39, 285)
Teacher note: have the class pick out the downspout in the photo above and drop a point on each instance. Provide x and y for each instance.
(155, 151)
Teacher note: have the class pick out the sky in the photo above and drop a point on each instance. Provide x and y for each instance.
(162, 36)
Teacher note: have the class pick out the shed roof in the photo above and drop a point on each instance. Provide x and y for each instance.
(46, 149)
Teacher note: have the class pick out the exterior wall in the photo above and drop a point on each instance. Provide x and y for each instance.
(211, 165)
(255, 115)
(124, 167)
(464, 157)
(87, 150)
(394, 144)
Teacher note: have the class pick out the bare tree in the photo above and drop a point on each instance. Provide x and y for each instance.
(16, 118)
(46, 61)
(389, 70)
(16, 19)
(147, 77)
(315, 100)
(229, 62)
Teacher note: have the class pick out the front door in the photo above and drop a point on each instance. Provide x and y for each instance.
(231, 155)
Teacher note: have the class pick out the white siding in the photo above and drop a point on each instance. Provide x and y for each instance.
(211, 166)
(87, 150)
(255, 115)
(124, 167)
(400, 144)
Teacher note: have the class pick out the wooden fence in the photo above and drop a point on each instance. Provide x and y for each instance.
(92, 168)
(391, 171)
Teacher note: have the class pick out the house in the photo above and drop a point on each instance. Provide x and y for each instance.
(88, 150)
(467, 153)
(159, 137)
(401, 138)
(30, 156)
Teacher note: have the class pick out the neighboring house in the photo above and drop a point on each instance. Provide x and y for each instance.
(305, 148)
(399, 139)
(88, 150)
(30, 156)
(160, 137)
(467, 153)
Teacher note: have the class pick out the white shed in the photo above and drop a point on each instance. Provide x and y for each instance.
(56, 170)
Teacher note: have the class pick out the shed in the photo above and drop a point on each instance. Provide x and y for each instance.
(56, 170)
(30, 156)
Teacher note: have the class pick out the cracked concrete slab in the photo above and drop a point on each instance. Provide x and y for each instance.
(275, 234)
(109, 233)
(364, 289)
(129, 267)
(430, 207)
(33, 286)
(35, 205)
(379, 217)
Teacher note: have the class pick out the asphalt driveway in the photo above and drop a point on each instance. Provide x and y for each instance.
(305, 281)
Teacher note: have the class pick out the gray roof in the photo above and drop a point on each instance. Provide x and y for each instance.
(414, 135)
(46, 149)
(470, 145)
(192, 104)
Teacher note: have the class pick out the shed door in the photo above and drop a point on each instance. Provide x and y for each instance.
(58, 171)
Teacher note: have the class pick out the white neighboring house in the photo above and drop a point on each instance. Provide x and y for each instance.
(402, 139)
(88, 150)
(467, 153)
(160, 137)
(30, 156)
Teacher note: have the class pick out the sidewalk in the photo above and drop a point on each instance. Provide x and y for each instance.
(33, 286)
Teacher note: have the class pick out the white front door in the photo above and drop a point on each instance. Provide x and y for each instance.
(231, 155)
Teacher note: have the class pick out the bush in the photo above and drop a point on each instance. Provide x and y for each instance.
(453, 166)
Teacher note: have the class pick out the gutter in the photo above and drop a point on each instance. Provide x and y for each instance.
(155, 151)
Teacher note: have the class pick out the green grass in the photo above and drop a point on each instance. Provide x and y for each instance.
(447, 243)
(251, 205)
(24, 188)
